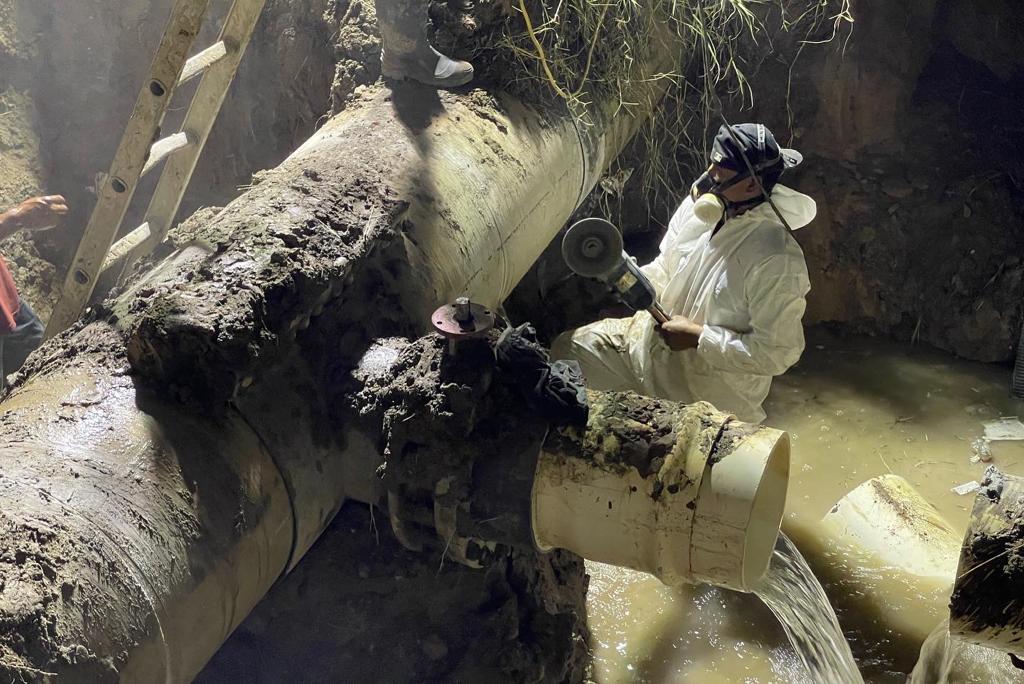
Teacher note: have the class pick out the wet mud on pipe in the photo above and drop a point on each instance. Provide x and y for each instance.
(125, 518)
(223, 361)
(986, 607)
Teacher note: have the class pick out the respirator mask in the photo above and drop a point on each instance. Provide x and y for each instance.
(709, 203)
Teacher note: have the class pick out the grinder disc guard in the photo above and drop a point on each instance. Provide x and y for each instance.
(592, 248)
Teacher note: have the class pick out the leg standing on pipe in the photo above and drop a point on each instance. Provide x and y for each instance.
(407, 54)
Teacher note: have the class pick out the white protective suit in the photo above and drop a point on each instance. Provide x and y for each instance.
(747, 287)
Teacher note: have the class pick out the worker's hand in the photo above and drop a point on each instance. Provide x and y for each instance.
(35, 215)
(680, 333)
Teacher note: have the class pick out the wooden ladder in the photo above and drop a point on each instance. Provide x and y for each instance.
(137, 154)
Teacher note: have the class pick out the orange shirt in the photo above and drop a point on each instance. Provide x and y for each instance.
(10, 303)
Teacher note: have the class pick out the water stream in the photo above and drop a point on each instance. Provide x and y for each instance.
(795, 596)
(855, 408)
(947, 660)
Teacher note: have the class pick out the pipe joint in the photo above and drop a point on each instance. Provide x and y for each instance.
(681, 492)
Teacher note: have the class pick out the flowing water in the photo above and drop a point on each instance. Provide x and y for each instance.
(855, 408)
(795, 596)
(947, 660)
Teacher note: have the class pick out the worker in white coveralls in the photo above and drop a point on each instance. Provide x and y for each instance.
(733, 281)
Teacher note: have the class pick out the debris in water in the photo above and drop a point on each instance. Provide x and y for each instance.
(1006, 428)
(982, 451)
(966, 488)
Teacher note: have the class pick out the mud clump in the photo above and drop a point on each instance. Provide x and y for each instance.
(458, 436)
(356, 49)
(991, 572)
(39, 588)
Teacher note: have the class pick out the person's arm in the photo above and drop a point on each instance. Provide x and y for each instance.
(660, 271)
(776, 295)
(33, 215)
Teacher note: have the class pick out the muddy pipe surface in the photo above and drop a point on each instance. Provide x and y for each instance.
(163, 464)
(985, 607)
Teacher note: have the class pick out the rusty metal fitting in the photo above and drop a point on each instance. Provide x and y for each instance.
(462, 320)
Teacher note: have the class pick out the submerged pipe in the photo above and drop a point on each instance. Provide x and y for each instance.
(162, 467)
(887, 559)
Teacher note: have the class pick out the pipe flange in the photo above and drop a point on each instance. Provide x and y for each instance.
(463, 320)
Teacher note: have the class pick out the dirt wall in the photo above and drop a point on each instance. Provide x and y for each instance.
(81, 63)
(916, 167)
(909, 125)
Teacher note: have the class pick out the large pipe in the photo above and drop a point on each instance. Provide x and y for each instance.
(161, 468)
(986, 618)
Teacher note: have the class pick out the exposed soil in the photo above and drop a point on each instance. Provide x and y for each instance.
(924, 240)
(356, 49)
(79, 66)
(21, 176)
(383, 613)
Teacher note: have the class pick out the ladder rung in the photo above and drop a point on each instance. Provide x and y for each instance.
(183, 25)
(125, 246)
(162, 149)
(203, 61)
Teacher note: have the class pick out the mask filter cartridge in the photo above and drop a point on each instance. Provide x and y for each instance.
(709, 208)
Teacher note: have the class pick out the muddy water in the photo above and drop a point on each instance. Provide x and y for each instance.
(643, 631)
(796, 598)
(946, 660)
(856, 408)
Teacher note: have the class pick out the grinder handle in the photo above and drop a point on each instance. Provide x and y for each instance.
(658, 313)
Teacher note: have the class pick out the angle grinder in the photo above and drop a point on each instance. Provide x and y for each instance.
(593, 248)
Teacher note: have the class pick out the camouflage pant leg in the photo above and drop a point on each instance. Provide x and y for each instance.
(402, 25)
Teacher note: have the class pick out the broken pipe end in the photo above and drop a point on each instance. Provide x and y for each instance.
(680, 492)
(739, 510)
